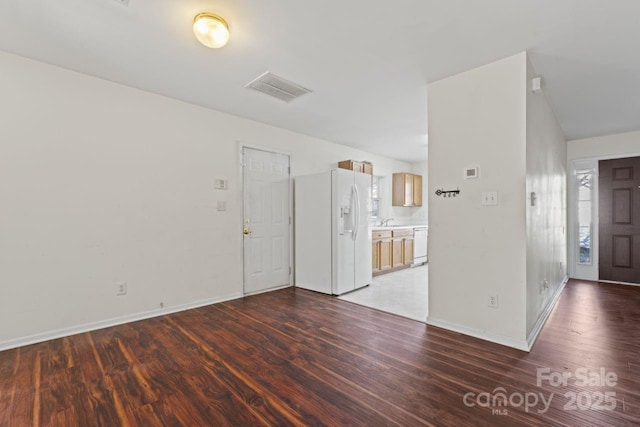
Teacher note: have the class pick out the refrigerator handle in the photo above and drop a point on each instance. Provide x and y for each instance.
(356, 217)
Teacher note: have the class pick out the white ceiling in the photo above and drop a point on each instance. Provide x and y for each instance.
(368, 61)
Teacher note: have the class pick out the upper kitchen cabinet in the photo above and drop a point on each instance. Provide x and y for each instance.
(364, 167)
(407, 189)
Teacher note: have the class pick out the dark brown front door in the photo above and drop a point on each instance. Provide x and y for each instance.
(619, 207)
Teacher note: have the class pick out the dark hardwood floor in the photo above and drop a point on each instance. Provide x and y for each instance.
(294, 357)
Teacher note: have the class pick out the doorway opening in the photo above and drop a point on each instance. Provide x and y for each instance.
(400, 250)
(604, 221)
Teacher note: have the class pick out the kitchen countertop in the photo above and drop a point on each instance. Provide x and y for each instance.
(397, 227)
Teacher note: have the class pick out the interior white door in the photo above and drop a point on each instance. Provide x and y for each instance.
(266, 193)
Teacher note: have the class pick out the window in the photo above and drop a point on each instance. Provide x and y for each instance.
(376, 191)
(585, 207)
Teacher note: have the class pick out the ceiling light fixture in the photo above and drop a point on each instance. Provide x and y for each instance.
(211, 30)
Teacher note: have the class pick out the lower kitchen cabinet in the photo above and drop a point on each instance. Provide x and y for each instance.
(402, 247)
(407, 250)
(392, 250)
(382, 258)
(385, 255)
(397, 244)
(375, 255)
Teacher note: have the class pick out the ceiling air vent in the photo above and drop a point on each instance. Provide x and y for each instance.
(277, 87)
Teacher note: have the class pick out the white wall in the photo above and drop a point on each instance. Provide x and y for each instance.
(609, 146)
(478, 118)
(103, 183)
(546, 221)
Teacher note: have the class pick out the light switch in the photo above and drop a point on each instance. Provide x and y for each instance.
(220, 184)
(490, 198)
(222, 205)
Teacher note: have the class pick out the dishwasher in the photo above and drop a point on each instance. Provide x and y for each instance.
(420, 245)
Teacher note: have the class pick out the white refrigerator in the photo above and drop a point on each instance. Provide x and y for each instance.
(332, 231)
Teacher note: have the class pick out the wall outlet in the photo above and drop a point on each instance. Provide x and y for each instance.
(492, 301)
(121, 288)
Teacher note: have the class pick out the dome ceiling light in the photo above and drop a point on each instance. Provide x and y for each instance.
(211, 30)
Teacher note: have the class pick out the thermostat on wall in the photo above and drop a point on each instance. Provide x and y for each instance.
(470, 173)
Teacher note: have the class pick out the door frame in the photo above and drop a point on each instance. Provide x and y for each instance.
(572, 213)
(242, 145)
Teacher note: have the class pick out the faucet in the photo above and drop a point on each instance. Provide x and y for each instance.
(385, 222)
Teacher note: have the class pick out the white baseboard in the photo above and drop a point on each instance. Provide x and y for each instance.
(477, 333)
(277, 288)
(87, 327)
(498, 339)
(619, 283)
(533, 336)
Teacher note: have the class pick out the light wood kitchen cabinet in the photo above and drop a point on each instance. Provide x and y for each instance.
(417, 190)
(354, 165)
(382, 258)
(392, 249)
(375, 255)
(407, 250)
(402, 247)
(397, 245)
(385, 254)
(407, 189)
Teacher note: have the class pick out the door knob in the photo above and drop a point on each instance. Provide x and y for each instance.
(246, 231)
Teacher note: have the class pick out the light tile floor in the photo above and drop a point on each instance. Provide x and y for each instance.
(403, 292)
